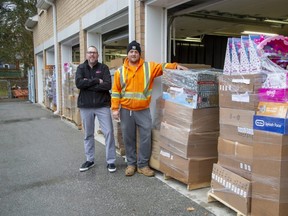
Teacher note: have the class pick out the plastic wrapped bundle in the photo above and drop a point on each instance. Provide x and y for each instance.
(193, 88)
(195, 80)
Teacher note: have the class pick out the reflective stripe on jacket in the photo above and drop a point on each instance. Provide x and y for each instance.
(132, 88)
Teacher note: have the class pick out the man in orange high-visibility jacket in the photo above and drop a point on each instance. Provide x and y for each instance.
(131, 96)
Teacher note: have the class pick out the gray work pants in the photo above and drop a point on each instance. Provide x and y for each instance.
(130, 121)
(103, 115)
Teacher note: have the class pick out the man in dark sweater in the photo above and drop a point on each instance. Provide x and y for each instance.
(94, 81)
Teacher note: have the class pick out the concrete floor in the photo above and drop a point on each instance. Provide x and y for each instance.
(200, 196)
(40, 157)
(39, 174)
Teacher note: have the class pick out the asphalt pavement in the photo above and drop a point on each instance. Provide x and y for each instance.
(40, 156)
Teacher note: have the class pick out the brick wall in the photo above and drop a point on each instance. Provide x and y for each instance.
(44, 29)
(140, 25)
(68, 11)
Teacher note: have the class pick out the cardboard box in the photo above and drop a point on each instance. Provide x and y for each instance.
(240, 91)
(249, 83)
(270, 190)
(154, 161)
(194, 100)
(198, 120)
(192, 88)
(236, 117)
(159, 112)
(236, 157)
(184, 135)
(269, 200)
(201, 123)
(270, 124)
(270, 138)
(270, 155)
(119, 143)
(115, 63)
(231, 188)
(180, 135)
(237, 133)
(247, 101)
(196, 66)
(198, 145)
(195, 171)
(76, 117)
(269, 177)
(273, 94)
(196, 81)
(272, 109)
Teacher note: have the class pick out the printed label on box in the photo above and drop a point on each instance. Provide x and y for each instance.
(271, 124)
(241, 97)
(279, 110)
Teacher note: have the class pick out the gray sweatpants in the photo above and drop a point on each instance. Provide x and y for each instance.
(130, 121)
(103, 115)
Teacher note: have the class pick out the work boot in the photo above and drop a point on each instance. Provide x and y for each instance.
(146, 171)
(130, 170)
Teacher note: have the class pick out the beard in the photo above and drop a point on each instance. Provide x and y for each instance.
(92, 61)
(134, 60)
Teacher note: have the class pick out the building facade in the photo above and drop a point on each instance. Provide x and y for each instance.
(63, 29)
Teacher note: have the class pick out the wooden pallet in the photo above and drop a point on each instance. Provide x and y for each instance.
(190, 186)
(22, 97)
(212, 198)
(20, 93)
(72, 121)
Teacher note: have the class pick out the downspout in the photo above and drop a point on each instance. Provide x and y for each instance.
(56, 54)
(28, 29)
(131, 12)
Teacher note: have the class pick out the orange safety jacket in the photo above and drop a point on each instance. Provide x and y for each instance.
(132, 88)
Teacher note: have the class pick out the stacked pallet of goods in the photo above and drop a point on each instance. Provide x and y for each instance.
(119, 144)
(270, 164)
(120, 147)
(158, 117)
(49, 87)
(70, 95)
(189, 126)
(248, 176)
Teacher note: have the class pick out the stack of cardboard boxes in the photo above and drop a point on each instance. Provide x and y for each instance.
(70, 95)
(231, 177)
(238, 101)
(188, 146)
(119, 144)
(189, 127)
(49, 87)
(251, 173)
(270, 165)
(115, 63)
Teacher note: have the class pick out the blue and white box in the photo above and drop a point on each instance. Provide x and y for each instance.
(271, 124)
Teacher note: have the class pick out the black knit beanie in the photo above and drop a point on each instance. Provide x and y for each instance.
(135, 46)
